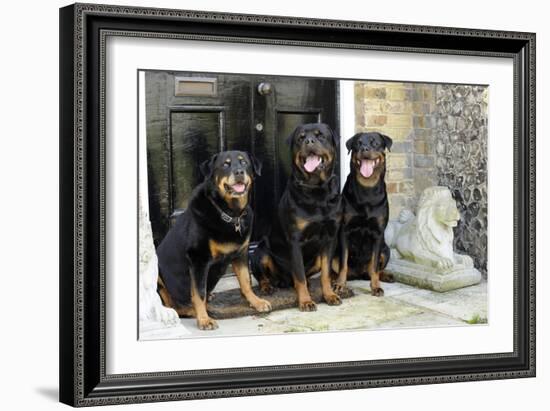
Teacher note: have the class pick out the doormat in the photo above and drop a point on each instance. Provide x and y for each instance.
(231, 304)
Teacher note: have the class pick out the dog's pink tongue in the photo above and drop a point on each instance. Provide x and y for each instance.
(311, 163)
(239, 187)
(367, 168)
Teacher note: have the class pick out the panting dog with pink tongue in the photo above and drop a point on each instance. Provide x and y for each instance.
(362, 250)
(304, 229)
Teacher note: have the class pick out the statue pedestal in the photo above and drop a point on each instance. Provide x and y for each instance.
(460, 275)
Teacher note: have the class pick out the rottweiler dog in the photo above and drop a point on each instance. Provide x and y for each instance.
(363, 253)
(304, 230)
(213, 232)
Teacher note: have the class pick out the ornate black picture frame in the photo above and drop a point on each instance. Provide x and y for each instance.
(83, 30)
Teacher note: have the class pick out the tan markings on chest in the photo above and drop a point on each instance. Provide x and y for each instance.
(218, 249)
(301, 223)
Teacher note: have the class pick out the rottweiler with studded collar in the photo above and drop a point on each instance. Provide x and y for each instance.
(213, 232)
(304, 231)
(362, 250)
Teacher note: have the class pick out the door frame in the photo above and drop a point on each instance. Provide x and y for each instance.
(346, 112)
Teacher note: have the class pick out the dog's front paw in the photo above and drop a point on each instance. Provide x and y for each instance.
(377, 292)
(206, 323)
(332, 299)
(261, 305)
(307, 305)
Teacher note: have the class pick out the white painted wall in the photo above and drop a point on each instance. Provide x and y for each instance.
(29, 210)
(347, 124)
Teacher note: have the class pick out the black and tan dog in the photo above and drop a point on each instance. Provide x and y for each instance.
(362, 249)
(304, 231)
(213, 232)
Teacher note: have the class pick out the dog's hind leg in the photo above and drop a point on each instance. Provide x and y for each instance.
(267, 271)
(383, 262)
(374, 273)
(263, 269)
(329, 295)
(167, 301)
(305, 303)
(342, 277)
(199, 296)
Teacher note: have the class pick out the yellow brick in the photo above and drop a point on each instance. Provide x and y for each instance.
(398, 133)
(375, 92)
(419, 122)
(359, 92)
(376, 120)
(397, 107)
(359, 120)
(422, 107)
(398, 175)
(388, 84)
(371, 106)
(396, 160)
(392, 187)
(427, 93)
(400, 93)
(421, 147)
(406, 187)
(399, 120)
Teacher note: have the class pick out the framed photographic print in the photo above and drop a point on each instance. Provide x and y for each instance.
(262, 204)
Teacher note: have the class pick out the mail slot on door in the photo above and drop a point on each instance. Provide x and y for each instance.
(196, 86)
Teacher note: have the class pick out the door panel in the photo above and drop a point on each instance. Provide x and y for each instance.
(191, 116)
(194, 137)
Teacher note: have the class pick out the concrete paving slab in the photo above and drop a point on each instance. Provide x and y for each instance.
(390, 289)
(468, 304)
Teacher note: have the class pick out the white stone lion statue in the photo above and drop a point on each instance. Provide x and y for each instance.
(150, 306)
(427, 239)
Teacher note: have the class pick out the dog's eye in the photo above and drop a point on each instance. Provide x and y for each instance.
(244, 163)
(225, 165)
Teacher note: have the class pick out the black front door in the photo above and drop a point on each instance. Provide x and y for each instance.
(191, 116)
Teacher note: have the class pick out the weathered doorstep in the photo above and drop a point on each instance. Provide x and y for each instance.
(402, 306)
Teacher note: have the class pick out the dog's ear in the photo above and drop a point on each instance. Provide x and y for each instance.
(256, 164)
(207, 166)
(290, 138)
(387, 141)
(351, 142)
(334, 135)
